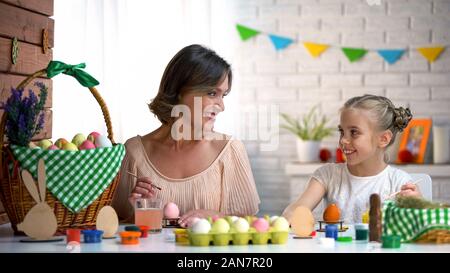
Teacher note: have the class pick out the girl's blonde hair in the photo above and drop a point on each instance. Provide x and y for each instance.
(386, 115)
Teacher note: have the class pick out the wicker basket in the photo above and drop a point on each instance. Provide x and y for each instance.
(15, 197)
(437, 236)
(417, 225)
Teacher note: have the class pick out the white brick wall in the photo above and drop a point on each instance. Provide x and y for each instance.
(296, 81)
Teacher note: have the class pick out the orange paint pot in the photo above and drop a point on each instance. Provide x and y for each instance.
(130, 237)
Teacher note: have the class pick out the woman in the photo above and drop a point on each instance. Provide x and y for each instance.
(203, 172)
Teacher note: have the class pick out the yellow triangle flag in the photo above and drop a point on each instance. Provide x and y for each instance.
(431, 53)
(315, 49)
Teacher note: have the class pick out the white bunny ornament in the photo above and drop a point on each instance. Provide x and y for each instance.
(40, 222)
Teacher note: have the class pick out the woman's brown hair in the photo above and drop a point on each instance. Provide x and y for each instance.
(194, 68)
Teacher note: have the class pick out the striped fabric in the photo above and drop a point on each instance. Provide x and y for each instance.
(411, 224)
(76, 178)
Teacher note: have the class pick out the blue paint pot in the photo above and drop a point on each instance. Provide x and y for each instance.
(92, 236)
(331, 231)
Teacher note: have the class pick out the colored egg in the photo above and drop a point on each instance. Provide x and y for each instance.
(60, 142)
(273, 218)
(171, 211)
(214, 218)
(69, 146)
(53, 147)
(87, 145)
(241, 225)
(281, 224)
(78, 139)
(45, 143)
(261, 225)
(201, 226)
(91, 137)
(220, 226)
(102, 142)
(331, 213)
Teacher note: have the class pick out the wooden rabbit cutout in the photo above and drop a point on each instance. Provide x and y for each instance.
(40, 222)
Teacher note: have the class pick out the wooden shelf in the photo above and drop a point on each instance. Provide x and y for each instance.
(434, 170)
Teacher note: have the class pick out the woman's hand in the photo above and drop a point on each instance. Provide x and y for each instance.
(410, 189)
(143, 189)
(186, 218)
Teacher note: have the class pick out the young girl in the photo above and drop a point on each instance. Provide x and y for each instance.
(368, 126)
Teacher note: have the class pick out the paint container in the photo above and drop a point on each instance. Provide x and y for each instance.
(391, 241)
(92, 236)
(130, 237)
(144, 231)
(73, 235)
(331, 231)
(361, 232)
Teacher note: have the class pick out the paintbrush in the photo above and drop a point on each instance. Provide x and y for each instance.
(397, 192)
(154, 186)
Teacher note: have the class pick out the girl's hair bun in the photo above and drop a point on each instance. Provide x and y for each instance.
(402, 116)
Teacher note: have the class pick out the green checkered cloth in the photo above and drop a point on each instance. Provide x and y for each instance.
(76, 178)
(411, 224)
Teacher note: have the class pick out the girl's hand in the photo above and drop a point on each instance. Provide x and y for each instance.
(143, 189)
(410, 189)
(186, 218)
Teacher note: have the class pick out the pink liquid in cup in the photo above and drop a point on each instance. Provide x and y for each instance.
(148, 212)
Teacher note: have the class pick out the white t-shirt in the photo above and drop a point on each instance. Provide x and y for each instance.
(351, 193)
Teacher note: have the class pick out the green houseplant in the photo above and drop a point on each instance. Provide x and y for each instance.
(310, 130)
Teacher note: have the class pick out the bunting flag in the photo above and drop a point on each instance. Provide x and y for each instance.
(280, 42)
(315, 49)
(245, 32)
(391, 55)
(354, 54)
(431, 53)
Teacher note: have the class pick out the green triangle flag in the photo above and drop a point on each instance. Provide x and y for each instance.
(354, 54)
(245, 32)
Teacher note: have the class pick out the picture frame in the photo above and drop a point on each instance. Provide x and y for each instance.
(415, 139)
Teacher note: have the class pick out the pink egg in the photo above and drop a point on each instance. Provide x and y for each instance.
(214, 218)
(87, 145)
(171, 211)
(92, 136)
(261, 225)
(53, 147)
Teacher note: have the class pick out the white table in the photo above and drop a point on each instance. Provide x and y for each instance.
(164, 242)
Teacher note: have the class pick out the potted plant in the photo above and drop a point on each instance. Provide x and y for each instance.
(311, 130)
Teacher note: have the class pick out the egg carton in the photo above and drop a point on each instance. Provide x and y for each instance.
(232, 238)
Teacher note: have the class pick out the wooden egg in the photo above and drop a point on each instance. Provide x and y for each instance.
(302, 221)
(108, 221)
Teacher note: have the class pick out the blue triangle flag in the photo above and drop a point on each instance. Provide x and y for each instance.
(391, 55)
(280, 42)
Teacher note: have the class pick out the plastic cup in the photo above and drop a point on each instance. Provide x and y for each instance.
(331, 231)
(148, 212)
(73, 235)
(391, 241)
(361, 232)
(92, 236)
(130, 237)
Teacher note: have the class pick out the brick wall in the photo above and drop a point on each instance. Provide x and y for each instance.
(295, 81)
